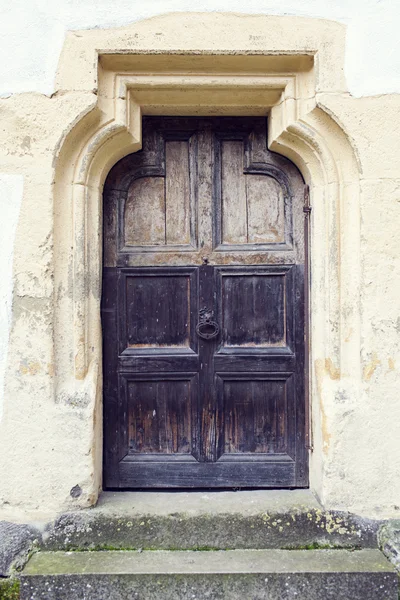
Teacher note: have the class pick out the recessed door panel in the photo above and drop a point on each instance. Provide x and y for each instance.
(159, 310)
(160, 413)
(144, 219)
(255, 412)
(252, 204)
(256, 308)
(253, 207)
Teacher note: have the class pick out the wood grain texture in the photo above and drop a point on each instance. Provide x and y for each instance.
(144, 219)
(159, 416)
(265, 210)
(234, 201)
(110, 227)
(177, 191)
(157, 310)
(252, 204)
(255, 416)
(253, 310)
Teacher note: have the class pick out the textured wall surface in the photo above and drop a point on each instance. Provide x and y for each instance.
(35, 31)
(11, 189)
(50, 419)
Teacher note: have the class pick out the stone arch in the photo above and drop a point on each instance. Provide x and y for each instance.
(288, 87)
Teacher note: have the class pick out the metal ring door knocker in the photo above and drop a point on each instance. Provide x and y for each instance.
(206, 328)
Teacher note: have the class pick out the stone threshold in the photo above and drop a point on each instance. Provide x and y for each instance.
(244, 502)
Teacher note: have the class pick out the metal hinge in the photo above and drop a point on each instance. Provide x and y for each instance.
(306, 206)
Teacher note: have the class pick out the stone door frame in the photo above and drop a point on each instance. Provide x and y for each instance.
(244, 65)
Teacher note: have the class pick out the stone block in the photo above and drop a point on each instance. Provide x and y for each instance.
(220, 575)
(222, 520)
(389, 541)
(15, 543)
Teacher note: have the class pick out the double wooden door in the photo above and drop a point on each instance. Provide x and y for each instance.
(203, 310)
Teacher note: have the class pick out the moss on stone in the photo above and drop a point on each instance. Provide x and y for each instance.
(320, 546)
(9, 589)
(296, 528)
(110, 548)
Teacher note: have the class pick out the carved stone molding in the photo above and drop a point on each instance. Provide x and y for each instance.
(175, 75)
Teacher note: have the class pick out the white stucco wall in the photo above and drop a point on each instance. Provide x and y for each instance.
(32, 34)
(11, 188)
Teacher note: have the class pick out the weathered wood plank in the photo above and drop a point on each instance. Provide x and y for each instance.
(254, 309)
(157, 310)
(255, 416)
(234, 204)
(159, 416)
(177, 192)
(110, 220)
(144, 218)
(266, 210)
(174, 474)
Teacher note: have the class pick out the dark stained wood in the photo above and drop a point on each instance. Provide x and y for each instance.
(157, 310)
(204, 226)
(192, 474)
(254, 308)
(112, 423)
(255, 415)
(159, 413)
(208, 415)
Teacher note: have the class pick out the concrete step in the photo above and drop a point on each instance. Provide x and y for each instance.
(258, 519)
(217, 575)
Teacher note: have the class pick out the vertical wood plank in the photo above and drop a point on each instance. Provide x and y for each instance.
(255, 416)
(177, 192)
(205, 167)
(159, 417)
(254, 310)
(207, 386)
(110, 374)
(157, 311)
(234, 203)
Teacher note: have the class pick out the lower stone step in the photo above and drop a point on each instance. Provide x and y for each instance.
(217, 575)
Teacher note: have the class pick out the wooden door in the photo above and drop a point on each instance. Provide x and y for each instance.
(203, 310)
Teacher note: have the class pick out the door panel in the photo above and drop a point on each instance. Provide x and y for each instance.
(158, 306)
(203, 310)
(254, 308)
(254, 413)
(252, 197)
(161, 413)
(144, 219)
(245, 216)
